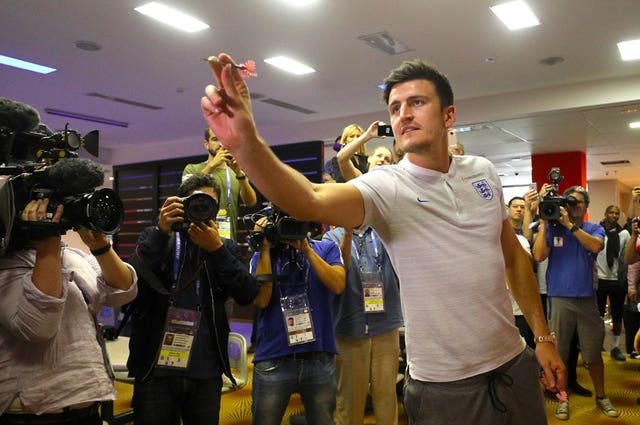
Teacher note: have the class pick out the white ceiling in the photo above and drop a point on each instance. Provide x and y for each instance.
(522, 106)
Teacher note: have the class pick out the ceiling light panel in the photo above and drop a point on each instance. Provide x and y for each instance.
(629, 50)
(290, 65)
(171, 16)
(515, 15)
(634, 125)
(28, 66)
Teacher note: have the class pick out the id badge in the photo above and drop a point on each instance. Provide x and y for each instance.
(558, 241)
(179, 333)
(372, 291)
(297, 319)
(224, 224)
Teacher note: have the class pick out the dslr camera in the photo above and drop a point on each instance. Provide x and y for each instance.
(198, 208)
(551, 203)
(279, 227)
(37, 163)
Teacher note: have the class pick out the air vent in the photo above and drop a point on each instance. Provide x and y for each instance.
(125, 101)
(288, 106)
(619, 162)
(384, 42)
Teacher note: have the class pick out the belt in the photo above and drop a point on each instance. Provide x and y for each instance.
(310, 355)
(66, 414)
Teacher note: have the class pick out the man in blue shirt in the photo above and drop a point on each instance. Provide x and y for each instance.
(295, 342)
(571, 244)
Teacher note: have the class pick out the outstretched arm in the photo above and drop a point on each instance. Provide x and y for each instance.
(227, 110)
(348, 170)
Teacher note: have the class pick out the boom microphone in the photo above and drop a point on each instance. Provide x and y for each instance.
(17, 116)
(72, 176)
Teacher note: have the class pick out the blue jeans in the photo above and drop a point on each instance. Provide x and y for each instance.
(164, 400)
(313, 375)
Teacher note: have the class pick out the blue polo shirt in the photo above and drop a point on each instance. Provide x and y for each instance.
(570, 271)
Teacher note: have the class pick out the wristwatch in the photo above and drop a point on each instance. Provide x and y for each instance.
(551, 338)
(574, 229)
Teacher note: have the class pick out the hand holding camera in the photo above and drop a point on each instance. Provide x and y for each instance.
(205, 235)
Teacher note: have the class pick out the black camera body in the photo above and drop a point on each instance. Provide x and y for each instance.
(385, 130)
(198, 208)
(278, 227)
(550, 206)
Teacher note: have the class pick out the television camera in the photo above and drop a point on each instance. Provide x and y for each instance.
(37, 163)
(551, 202)
(279, 227)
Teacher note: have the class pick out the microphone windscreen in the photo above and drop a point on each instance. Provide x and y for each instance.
(74, 176)
(17, 116)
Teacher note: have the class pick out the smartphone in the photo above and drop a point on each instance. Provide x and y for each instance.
(385, 130)
(452, 137)
(533, 186)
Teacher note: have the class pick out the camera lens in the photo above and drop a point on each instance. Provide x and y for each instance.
(200, 207)
(101, 211)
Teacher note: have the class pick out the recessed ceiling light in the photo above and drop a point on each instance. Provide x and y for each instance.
(29, 66)
(515, 15)
(289, 65)
(171, 16)
(634, 125)
(629, 50)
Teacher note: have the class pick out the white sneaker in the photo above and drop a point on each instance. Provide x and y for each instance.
(607, 408)
(562, 411)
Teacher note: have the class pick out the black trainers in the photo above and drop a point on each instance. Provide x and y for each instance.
(578, 389)
(617, 354)
(634, 355)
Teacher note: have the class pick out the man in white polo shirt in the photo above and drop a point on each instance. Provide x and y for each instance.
(452, 288)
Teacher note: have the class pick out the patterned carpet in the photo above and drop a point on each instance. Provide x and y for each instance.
(622, 383)
(622, 386)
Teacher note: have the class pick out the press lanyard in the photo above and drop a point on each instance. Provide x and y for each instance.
(376, 254)
(228, 186)
(177, 269)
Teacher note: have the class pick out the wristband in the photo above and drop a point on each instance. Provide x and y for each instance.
(551, 338)
(574, 229)
(266, 278)
(242, 177)
(100, 251)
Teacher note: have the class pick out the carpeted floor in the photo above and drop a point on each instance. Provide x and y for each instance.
(622, 381)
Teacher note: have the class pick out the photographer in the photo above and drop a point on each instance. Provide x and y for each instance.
(52, 367)
(571, 244)
(180, 332)
(298, 279)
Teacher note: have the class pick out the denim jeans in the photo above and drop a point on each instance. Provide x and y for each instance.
(164, 400)
(312, 375)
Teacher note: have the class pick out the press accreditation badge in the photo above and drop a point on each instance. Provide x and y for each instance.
(179, 333)
(297, 319)
(372, 291)
(224, 223)
(558, 241)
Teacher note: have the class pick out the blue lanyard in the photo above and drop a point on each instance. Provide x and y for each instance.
(176, 270)
(228, 187)
(376, 254)
(292, 269)
(176, 262)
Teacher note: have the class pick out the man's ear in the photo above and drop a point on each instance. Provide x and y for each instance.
(449, 116)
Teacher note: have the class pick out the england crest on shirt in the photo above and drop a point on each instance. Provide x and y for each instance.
(484, 189)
